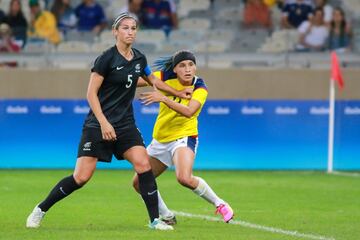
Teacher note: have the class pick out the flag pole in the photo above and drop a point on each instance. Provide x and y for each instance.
(330, 164)
(335, 76)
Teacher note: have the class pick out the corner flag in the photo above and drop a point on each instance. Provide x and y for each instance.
(335, 76)
(336, 71)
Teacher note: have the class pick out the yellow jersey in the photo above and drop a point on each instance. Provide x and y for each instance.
(45, 26)
(270, 3)
(171, 125)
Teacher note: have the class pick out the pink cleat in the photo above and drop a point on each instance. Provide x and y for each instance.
(226, 211)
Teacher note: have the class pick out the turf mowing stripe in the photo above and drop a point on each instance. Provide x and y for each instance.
(346, 174)
(256, 226)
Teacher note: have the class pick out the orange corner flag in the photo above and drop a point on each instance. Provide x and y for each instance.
(336, 71)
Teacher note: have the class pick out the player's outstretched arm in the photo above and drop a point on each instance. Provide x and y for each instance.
(185, 110)
(158, 84)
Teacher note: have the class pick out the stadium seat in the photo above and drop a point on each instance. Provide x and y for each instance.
(111, 8)
(220, 64)
(225, 35)
(280, 41)
(249, 40)
(229, 18)
(69, 64)
(186, 35)
(106, 36)
(146, 47)
(357, 42)
(218, 4)
(211, 47)
(230, 14)
(186, 6)
(231, 24)
(73, 47)
(173, 46)
(273, 47)
(37, 45)
(99, 47)
(195, 23)
(155, 37)
(74, 35)
(354, 6)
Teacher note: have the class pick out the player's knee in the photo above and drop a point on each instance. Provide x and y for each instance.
(142, 166)
(82, 179)
(184, 180)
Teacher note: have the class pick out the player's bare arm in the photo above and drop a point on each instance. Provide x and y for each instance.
(185, 110)
(142, 83)
(108, 132)
(158, 84)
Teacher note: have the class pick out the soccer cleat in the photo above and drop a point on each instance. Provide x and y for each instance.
(169, 220)
(157, 224)
(35, 217)
(226, 211)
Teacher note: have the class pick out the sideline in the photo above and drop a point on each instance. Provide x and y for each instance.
(255, 226)
(346, 174)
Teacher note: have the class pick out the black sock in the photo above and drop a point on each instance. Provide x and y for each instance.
(148, 190)
(64, 188)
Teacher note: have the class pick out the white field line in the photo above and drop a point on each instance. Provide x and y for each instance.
(346, 174)
(256, 226)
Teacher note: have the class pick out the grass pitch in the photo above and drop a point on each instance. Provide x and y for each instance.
(313, 203)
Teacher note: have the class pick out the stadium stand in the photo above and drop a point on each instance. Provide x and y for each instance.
(210, 28)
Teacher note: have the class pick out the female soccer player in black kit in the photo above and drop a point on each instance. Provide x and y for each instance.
(109, 128)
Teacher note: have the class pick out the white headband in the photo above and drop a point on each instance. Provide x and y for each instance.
(121, 17)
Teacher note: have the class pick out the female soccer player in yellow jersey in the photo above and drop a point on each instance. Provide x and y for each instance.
(175, 134)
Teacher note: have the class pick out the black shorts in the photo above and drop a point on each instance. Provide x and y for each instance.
(93, 145)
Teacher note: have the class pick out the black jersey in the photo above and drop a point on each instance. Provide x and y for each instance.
(118, 88)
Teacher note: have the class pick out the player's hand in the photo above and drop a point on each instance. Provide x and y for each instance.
(108, 131)
(186, 93)
(151, 97)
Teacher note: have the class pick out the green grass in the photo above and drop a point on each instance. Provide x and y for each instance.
(108, 208)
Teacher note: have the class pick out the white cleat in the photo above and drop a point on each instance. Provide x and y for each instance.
(157, 224)
(35, 217)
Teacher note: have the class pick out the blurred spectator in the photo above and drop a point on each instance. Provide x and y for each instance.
(270, 3)
(282, 3)
(295, 13)
(43, 23)
(64, 14)
(157, 15)
(133, 6)
(340, 32)
(313, 33)
(328, 10)
(173, 10)
(7, 44)
(2, 15)
(257, 14)
(91, 17)
(17, 22)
